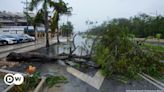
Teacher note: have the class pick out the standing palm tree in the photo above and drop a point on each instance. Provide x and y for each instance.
(37, 20)
(60, 8)
(45, 5)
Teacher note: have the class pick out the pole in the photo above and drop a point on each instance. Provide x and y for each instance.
(27, 16)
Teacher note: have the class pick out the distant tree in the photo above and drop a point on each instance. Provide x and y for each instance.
(141, 26)
(45, 6)
(66, 29)
(158, 36)
(60, 8)
(37, 20)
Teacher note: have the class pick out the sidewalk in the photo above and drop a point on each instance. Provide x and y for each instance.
(33, 46)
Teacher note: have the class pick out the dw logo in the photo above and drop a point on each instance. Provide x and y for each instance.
(11, 79)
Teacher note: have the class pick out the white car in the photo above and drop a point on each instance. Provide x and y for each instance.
(30, 38)
(8, 40)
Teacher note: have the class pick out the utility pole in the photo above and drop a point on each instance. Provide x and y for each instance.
(26, 3)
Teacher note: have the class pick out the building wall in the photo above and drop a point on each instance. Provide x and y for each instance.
(11, 31)
(15, 23)
(40, 33)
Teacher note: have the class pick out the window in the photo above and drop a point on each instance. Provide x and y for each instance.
(5, 30)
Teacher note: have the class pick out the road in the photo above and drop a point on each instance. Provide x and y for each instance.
(152, 41)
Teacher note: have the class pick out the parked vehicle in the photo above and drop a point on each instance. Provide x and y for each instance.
(30, 38)
(8, 40)
(25, 39)
(18, 39)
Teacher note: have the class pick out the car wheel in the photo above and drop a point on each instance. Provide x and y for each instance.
(5, 43)
(1, 43)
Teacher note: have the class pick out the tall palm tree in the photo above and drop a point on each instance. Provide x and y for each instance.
(59, 8)
(45, 5)
(37, 20)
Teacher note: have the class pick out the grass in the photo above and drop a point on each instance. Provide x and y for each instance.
(154, 47)
(53, 80)
(159, 49)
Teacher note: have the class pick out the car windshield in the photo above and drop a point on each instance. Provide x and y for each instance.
(9, 36)
(27, 36)
(3, 37)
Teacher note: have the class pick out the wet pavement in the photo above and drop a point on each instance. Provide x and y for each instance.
(3, 86)
(111, 85)
(77, 85)
(74, 84)
(25, 47)
(20, 45)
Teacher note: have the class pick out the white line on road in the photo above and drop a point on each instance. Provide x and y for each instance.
(95, 81)
(155, 84)
(160, 83)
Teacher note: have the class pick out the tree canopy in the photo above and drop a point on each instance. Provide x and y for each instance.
(66, 29)
(141, 26)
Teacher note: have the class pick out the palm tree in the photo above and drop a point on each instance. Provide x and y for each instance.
(67, 29)
(0, 25)
(59, 8)
(37, 20)
(45, 5)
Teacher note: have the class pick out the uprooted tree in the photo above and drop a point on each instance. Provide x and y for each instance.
(65, 57)
(118, 53)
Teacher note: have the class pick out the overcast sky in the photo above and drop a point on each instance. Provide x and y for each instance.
(97, 10)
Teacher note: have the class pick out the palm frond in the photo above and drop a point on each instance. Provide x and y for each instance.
(39, 18)
(54, 21)
(34, 3)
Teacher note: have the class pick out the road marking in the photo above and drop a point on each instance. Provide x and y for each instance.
(160, 83)
(144, 91)
(152, 82)
(95, 81)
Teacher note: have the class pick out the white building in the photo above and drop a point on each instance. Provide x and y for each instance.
(18, 29)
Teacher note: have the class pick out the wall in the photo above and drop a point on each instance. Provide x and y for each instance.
(12, 30)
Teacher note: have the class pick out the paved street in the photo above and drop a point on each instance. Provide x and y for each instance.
(78, 85)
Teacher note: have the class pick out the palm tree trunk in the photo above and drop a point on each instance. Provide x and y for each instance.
(46, 23)
(67, 35)
(35, 33)
(58, 35)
